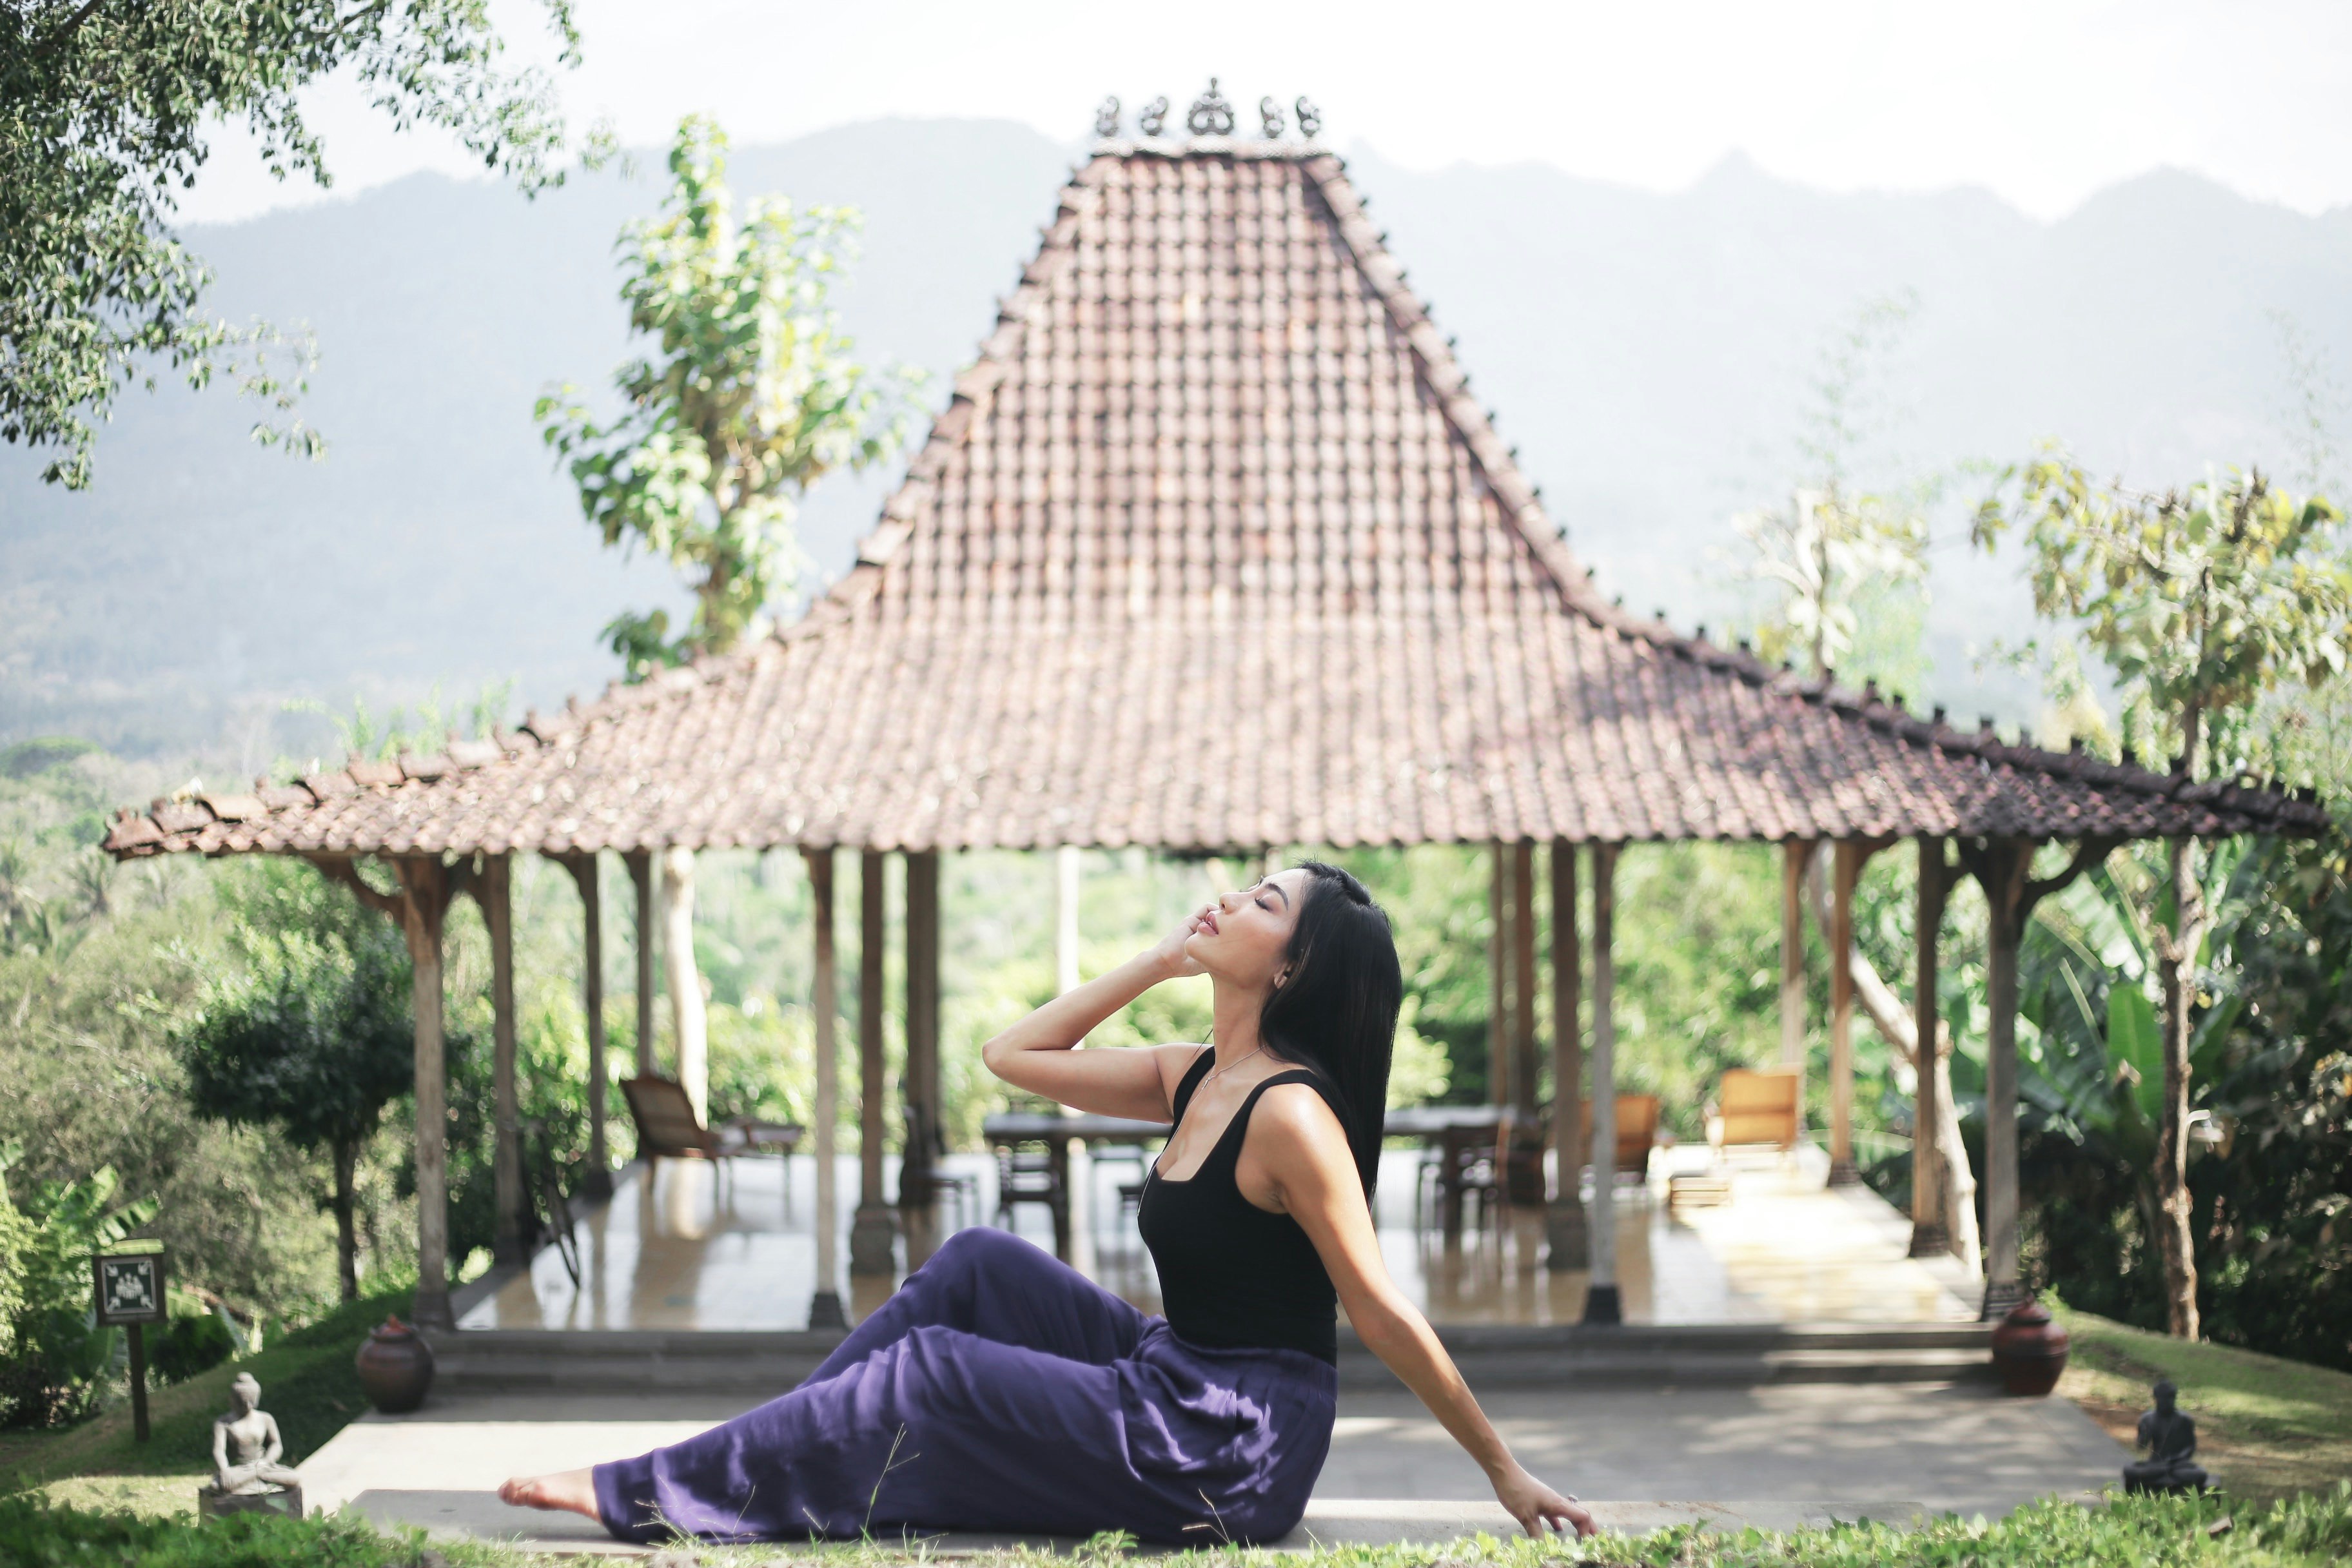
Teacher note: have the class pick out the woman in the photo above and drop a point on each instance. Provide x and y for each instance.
(1000, 1390)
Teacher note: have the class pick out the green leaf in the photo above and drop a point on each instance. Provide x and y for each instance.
(2135, 1038)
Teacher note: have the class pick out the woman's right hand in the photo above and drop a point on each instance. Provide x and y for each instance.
(1174, 956)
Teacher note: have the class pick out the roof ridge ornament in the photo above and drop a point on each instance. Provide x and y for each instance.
(1154, 118)
(1210, 115)
(1106, 118)
(1269, 119)
(1310, 119)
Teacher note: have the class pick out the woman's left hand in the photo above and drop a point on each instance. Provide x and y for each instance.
(1536, 1506)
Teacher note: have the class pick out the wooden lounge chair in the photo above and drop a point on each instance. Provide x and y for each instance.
(667, 1129)
(1759, 1106)
(1637, 1133)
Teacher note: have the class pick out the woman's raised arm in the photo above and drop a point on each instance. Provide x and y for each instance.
(1040, 1053)
(1304, 1149)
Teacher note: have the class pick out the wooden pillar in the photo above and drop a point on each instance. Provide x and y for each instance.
(511, 1234)
(1565, 1222)
(875, 1228)
(1930, 1237)
(597, 1181)
(1794, 855)
(825, 1306)
(689, 1023)
(1846, 871)
(921, 1142)
(2008, 860)
(1523, 1163)
(640, 863)
(1498, 989)
(1602, 1301)
(424, 885)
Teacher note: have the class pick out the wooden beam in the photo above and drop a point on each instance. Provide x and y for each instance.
(640, 864)
(494, 893)
(922, 1097)
(1498, 989)
(1601, 1301)
(1523, 979)
(875, 1227)
(824, 1007)
(1845, 871)
(2003, 869)
(597, 1183)
(425, 885)
(1795, 854)
(1930, 1236)
(1564, 1226)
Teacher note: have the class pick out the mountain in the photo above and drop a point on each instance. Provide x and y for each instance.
(1651, 353)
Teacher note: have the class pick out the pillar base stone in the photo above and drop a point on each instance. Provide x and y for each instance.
(431, 1309)
(596, 1186)
(1845, 1173)
(1930, 1240)
(873, 1239)
(1601, 1305)
(1999, 1296)
(1569, 1249)
(824, 1310)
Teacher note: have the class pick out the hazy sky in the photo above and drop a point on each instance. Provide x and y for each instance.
(2042, 102)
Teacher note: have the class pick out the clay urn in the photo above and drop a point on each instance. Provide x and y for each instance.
(2029, 1350)
(395, 1367)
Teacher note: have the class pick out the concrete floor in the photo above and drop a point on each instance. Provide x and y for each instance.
(689, 1250)
(1775, 1457)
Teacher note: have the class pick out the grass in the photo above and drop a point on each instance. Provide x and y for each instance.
(2265, 1427)
(307, 1383)
(2162, 1532)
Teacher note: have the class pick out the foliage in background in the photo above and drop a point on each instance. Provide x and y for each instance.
(747, 397)
(59, 1351)
(2202, 603)
(105, 113)
(311, 1033)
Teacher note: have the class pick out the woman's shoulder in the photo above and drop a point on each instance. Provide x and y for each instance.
(1298, 1109)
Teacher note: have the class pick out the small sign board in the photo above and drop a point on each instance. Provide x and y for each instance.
(130, 1286)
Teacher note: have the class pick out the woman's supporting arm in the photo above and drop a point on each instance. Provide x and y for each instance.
(1299, 1144)
(1040, 1053)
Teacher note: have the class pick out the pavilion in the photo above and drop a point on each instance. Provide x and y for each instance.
(1213, 551)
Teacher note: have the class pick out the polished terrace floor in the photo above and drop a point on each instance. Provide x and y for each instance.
(691, 1250)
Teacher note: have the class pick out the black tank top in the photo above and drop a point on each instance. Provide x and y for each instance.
(1233, 1276)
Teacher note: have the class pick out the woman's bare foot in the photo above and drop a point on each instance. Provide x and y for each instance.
(572, 1489)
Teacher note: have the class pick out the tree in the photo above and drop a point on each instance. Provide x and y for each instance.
(314, 1036)
(2202, 601)
(105, 115)
(747, 397)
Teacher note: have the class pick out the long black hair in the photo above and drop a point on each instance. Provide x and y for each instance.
(1335, 1009)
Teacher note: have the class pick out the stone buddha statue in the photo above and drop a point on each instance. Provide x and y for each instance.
(246, 1446)
(2170, 1439)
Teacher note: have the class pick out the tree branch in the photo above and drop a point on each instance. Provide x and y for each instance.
(2088, 852)
(65, 30)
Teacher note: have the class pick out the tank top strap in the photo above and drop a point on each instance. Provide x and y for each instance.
(1229, 1143)
(1190, 1081)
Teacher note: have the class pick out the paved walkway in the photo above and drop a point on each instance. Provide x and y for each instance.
(1774, 1457)
(681, 1251)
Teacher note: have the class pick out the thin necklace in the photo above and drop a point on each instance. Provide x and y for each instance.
(1215, 1073)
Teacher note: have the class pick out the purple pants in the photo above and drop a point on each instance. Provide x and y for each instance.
(1000, 1390)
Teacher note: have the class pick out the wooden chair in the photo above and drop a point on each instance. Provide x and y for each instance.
(1033, 1176)
(667, 1129)
(1637, 1133)
(924, 1181)
(1757, 1106)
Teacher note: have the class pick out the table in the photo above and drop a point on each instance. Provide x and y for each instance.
(1010, 1129)
(1456, 1131)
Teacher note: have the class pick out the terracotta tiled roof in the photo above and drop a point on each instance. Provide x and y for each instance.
(1212, 549)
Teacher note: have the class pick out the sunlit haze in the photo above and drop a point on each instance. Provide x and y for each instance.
(2042, 103)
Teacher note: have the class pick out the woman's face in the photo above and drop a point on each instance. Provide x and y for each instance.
(1242, 937)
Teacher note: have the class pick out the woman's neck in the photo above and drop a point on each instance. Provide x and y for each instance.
(1236, 1012)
